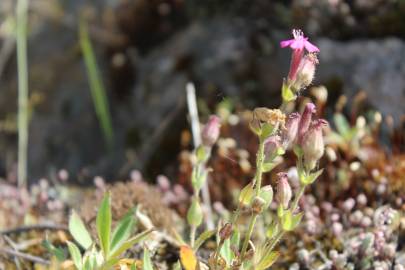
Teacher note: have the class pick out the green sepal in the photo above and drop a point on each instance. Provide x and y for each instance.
(309, 179)
(286, 93)
(289, 221)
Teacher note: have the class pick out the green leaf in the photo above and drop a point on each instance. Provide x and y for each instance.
(309, 179)
(267, 130)
(289, 221)
(246, 195)
(75, 254)
(202, 238)
(108, 265)
(201, 153)
(268, 260)
(103, 222)
(177, 266)
(129, 243)
(79, 231)
(147, 262)
(123, 230)
(272, 230)
(198, 178)
(98, 93)
(287, 94)
(226, 252)
(55, 251)
(235, 239)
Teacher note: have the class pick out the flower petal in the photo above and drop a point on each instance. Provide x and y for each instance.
(298, 44)
(286, 43)
(310, 47)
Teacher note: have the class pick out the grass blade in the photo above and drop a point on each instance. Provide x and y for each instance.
(103, 222)
(22, 65)
(98, 92)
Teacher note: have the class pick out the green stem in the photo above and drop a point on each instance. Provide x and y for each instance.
(259, 168)
(192, 235)
(22, 65)
(257, 182)
(248, 235)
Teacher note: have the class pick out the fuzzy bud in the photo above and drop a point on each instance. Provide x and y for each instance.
(290, 132)
(271, 146)
(210, 132)
(305, 121)
(305, 72)
(313, 144)
(284, 192)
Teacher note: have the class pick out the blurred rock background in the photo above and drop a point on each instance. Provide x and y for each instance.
(149, 49)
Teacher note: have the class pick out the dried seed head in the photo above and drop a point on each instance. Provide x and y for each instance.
(273, 117)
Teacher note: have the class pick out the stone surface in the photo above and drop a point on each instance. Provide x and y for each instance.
(375, 66)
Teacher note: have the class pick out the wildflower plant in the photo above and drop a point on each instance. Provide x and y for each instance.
(106, 252)
(277, 132)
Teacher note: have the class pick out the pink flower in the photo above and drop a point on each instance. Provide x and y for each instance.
(298, 44)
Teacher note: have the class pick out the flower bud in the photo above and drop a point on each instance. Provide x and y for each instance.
(313, 145)
(210, 132)
(266, 193)
(305, 121)
(258, 205)
(195, 214)
(225, 232)
(271, 146)
(305, 72)
(284, 192)
(290, 132)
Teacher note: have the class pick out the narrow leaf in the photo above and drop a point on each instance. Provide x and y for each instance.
(202, 238)
(75, 254)
(147, 262)
(129, 243)
(123, 230)
(79, 231)
(103, 222)
(268, 260)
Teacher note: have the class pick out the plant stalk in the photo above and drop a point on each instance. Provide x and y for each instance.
(23, 110)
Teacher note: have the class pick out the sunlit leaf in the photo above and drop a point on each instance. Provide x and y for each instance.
(123, 230)
(187, 258)
(202, 238)
(103, 221)
(129, 243)
(147, 261)
(75, 254)
(268, 260)
(79, 231)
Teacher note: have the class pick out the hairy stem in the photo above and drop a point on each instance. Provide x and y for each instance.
(248, 235)
(257, 183)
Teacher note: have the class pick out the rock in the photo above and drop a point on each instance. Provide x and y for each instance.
(375, 66)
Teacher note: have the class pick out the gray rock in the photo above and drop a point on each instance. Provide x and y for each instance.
(375, 66)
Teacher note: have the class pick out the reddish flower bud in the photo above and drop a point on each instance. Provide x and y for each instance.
(271, 145)
(305, 72)
(290, 132)
(210, 132)
(284, 192)
(305, 121)
(312, 144)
